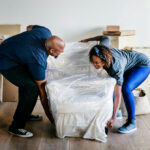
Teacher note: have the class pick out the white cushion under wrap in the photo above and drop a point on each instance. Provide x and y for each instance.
(80, 97)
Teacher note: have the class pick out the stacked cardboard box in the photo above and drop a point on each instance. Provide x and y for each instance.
(115, 31)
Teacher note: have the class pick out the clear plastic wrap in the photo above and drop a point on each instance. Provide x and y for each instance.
(80, 96)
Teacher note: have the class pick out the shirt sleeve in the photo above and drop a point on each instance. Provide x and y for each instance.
(119, 72)
(39, 27)
(119, 77)
(41, 31)
(104, 40)
(36, 71)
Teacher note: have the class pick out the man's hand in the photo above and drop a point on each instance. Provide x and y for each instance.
(50, 116)
(29, 27)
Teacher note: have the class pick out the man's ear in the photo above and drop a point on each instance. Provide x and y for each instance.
(50, 51)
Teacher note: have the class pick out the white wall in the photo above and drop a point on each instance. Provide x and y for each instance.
(77, 19)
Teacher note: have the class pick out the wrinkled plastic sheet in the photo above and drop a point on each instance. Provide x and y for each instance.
(80, 97)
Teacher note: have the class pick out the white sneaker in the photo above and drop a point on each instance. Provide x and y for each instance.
(20, 132)
(119, 114)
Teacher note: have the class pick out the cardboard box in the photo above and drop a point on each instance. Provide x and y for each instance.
(120, 33)
(8, 29)
(113, 28)
(10, 91)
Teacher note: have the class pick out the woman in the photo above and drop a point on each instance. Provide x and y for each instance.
(129, 68)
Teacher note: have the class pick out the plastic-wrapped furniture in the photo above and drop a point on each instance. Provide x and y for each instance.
(80, 97)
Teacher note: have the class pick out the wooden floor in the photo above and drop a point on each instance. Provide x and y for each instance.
(45, 138)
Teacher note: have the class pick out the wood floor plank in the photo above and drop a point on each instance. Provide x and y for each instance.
(6, 110)
(82, 144)
(45, 135)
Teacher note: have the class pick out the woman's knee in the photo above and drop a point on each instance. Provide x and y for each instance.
(126, 88)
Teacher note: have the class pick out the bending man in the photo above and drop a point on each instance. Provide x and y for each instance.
(23, 62)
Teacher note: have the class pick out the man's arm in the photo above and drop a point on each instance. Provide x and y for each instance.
(43, 98)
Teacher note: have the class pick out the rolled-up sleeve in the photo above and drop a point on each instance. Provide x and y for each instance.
(119, 77)
(43, 31)
(105, 40)
(36, 71)
(119, 69)
(39, 27)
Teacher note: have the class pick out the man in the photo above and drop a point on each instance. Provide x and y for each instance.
(23, 61)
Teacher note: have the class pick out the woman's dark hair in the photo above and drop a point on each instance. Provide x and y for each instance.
(103, 52)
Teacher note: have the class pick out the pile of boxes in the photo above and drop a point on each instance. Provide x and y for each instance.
(115, 31)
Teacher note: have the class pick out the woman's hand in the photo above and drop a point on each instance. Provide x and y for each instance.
(110, 123)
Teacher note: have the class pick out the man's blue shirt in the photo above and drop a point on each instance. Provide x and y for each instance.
(27, 48)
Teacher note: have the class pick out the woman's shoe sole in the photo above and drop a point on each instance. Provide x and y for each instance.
(125, 132)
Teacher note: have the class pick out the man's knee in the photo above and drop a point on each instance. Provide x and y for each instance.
(33, 87)
(30, 87)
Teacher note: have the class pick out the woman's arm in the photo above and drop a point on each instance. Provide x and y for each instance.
(104, 40)
(116, 105)
(96, 38)
(117, 100)
(43, 98)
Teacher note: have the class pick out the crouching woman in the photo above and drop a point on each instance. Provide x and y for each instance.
(129, 68)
